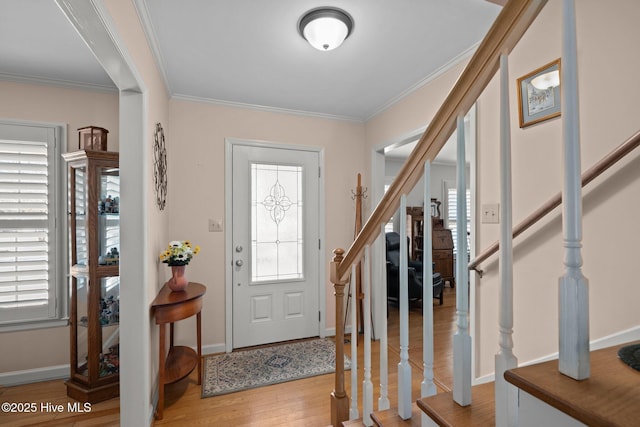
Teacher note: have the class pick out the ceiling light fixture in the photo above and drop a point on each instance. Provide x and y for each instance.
(325, 28)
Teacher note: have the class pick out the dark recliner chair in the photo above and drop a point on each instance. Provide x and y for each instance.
(415, 273)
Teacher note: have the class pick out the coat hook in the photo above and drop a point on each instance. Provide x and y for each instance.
(360, 191)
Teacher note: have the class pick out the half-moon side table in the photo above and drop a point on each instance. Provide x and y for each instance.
(169, 307)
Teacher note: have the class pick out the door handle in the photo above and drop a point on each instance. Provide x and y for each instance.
(239, 263)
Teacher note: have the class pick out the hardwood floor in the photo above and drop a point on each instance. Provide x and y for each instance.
(298, 403)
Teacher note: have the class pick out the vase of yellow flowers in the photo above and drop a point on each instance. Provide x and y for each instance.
(178, 255)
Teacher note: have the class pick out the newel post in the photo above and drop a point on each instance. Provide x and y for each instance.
(339, 398)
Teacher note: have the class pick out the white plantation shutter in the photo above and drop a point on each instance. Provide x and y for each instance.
(452, 213)
(28, 271)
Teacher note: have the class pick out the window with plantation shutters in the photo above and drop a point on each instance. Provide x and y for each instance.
(452, 212)
(29, 282)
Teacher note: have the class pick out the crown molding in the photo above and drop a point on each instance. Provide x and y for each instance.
(152, 40)
(278, 110)
(35, 80)
(465, 55)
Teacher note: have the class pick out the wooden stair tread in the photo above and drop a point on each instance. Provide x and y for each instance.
(609, 397)
(390, 418)
(353, 423)
(445, 412)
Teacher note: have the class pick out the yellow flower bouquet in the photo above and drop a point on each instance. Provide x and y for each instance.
(179, 253)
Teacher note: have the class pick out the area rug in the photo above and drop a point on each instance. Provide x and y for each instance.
(631, 355)
(246, 369)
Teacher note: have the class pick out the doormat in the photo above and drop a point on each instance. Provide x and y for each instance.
(246, 369)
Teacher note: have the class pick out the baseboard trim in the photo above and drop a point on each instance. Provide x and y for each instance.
(212, 349)
(27, 376)
(622, 337)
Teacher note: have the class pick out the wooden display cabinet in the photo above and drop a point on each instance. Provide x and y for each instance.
(441, 241)
(442, 247)
(94, 243)
(416, 222)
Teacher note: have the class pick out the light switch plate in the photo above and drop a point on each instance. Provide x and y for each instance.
(215, 225)
(491, 213)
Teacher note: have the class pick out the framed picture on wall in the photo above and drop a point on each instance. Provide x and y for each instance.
(539, 94)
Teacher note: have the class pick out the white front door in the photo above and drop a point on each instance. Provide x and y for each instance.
(275, 244)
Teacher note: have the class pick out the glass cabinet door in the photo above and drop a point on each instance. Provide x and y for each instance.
(81, 285)
(109, 323)
(80, 201)
(108, 216)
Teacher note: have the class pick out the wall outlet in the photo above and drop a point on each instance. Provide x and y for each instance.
(491, 213)
(215, 225)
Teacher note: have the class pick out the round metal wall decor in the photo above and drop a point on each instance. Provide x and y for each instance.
(160, 166)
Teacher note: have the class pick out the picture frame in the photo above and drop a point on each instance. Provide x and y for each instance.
(539, 94)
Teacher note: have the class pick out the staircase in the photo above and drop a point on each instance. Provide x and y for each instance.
(608, 398)
(576, 389)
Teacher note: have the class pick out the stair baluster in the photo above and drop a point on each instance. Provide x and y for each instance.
(461, 339)
(574, 291)
(404, 368)
(367, 385)
(353, 411)
(383, 400)
(506, 401)
(428, 387)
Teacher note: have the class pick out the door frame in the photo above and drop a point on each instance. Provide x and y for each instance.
(378, 177)
(97, 28)
(228, 226)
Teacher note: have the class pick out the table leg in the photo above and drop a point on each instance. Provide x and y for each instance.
(199, 330)
(161, 362)
(171, 335)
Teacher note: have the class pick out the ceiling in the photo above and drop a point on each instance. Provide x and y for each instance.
(249, 53)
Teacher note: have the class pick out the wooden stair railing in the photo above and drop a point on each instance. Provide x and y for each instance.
(589, 175)
(512, 22)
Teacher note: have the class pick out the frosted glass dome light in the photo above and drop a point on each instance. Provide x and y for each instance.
(325, 28)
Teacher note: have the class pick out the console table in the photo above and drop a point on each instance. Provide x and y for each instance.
(169, 307)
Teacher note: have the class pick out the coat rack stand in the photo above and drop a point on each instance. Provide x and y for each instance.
(358, 195)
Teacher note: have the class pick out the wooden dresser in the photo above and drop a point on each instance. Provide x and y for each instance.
(442, 247)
